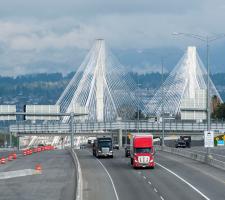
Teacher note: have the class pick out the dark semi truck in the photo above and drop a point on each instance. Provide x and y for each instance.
(103, 147)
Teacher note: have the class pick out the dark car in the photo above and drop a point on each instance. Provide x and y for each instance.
(187, 139)
(82, 146)
(116, 146)
(127, 151)
(180, 144)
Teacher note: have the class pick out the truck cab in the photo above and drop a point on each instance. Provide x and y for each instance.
(102, 147)
(142, 151)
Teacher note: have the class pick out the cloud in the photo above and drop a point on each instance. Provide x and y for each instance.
(58, 32)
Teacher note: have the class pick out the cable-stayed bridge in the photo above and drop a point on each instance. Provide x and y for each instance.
(185, 89)
(103, 88)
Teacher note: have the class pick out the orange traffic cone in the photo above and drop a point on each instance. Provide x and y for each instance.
(38, 168)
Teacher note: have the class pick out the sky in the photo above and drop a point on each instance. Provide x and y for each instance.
(54, 35)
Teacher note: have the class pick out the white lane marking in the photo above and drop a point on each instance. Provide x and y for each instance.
(79, 193)
(189, 184)
(114, 188)
(149, 183)
(144, 177)
(161, 198)
(155, 190)
(18, 173)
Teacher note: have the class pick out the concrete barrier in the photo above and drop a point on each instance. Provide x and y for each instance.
(194, 156)
(79, 179)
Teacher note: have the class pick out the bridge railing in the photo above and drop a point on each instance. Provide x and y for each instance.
(113, 126)
(40, 128)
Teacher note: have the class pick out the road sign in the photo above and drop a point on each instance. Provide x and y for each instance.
(220, 143)
(7, 109)
(209, 138)
(42, 109)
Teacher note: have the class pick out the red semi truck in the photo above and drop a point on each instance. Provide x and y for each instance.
(142, 150)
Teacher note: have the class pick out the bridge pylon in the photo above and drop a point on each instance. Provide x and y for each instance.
(185, 90)
(101, 87)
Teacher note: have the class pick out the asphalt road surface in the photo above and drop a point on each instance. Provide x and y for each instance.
(174, 178)
(56, 182)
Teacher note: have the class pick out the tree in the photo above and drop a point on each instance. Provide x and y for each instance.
(219, 112)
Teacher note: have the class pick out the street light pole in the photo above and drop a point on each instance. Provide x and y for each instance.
(208, 95)
(162, 95)
(138, 114)
(208, 87)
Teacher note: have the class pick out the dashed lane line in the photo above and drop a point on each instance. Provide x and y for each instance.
(161, 198)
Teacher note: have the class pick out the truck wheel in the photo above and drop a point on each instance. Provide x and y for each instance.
(131, 161)
(111, 156)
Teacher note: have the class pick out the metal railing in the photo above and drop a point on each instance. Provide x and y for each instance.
(63, 128)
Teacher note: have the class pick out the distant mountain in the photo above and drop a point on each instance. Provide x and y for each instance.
(46, 88)
(134, 60)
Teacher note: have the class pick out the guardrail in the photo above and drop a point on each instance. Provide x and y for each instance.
(194, 156)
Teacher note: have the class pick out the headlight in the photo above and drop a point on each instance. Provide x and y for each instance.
(99, 151)
(110, 151)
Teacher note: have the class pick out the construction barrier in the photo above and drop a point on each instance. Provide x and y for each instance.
(3, 161)
(10, 158)
(14, 156)
(25, 152)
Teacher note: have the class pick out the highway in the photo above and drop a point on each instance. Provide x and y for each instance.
(56, 182)
(173, 178)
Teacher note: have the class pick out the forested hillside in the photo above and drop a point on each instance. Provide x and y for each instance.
(46, 88)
